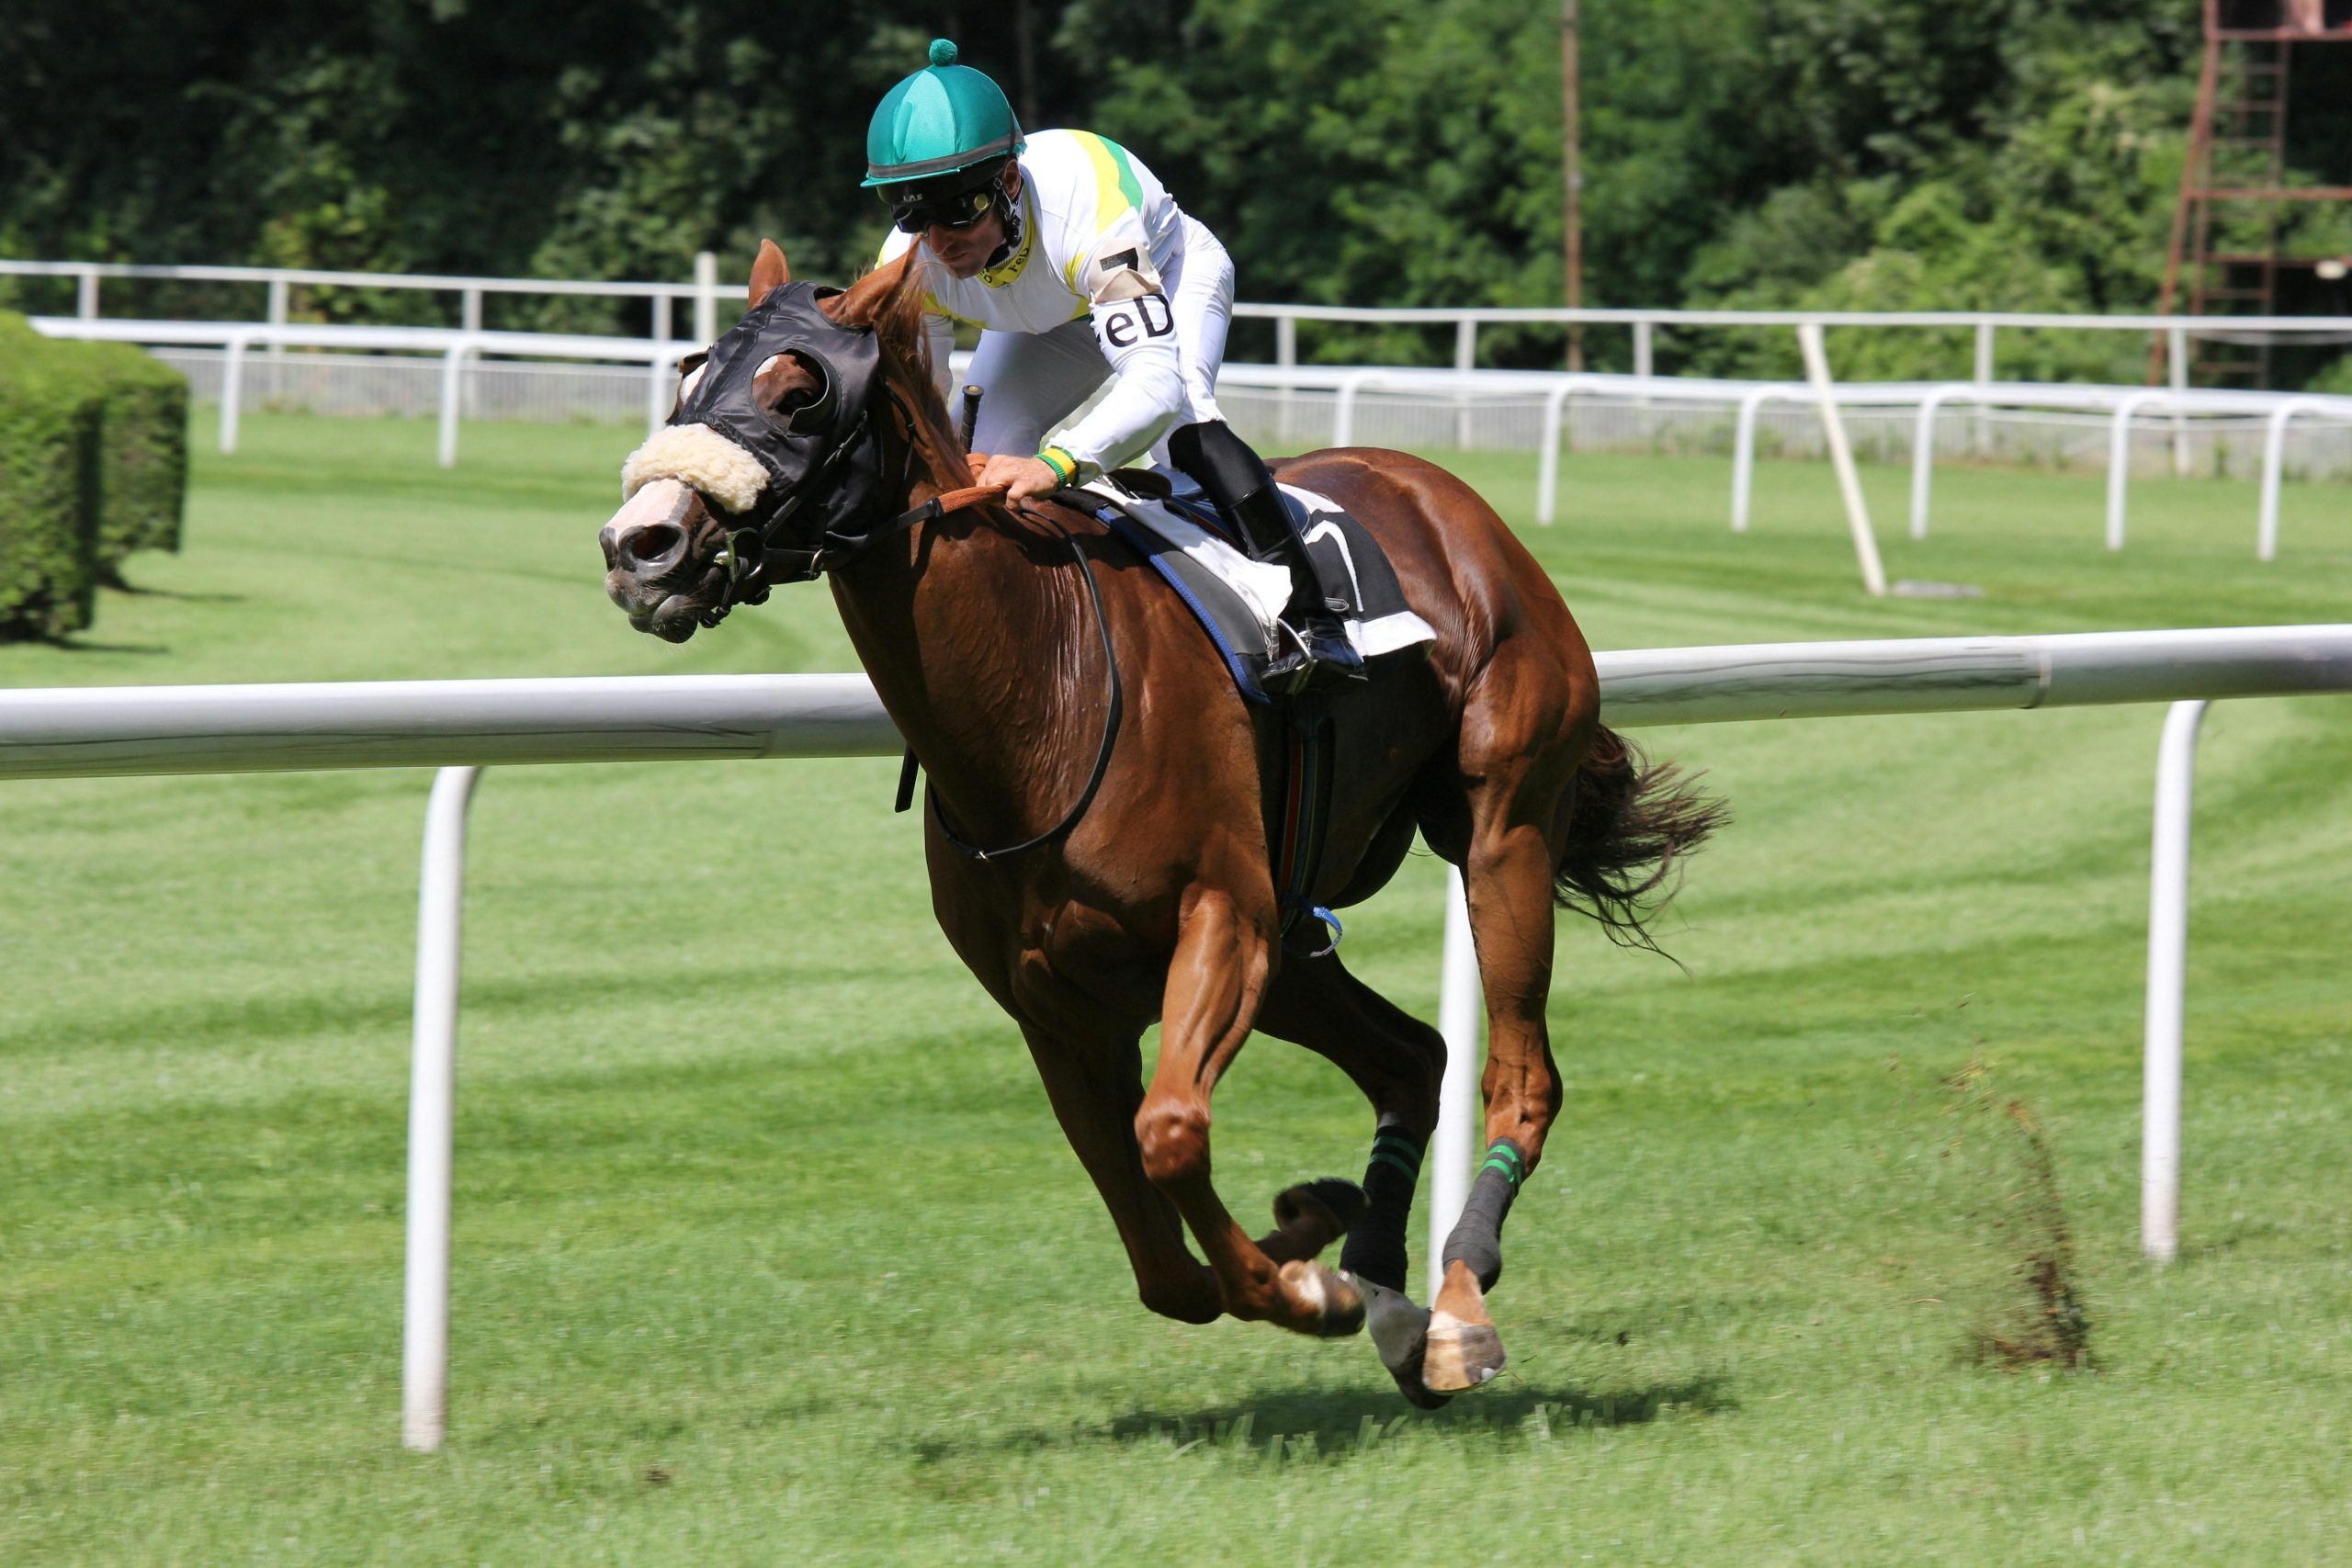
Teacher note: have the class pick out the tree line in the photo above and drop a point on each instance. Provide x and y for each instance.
(1866, 155)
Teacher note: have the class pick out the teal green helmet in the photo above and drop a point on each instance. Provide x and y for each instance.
(941, 120)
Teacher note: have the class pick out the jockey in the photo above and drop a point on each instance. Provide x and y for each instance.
(1077, 264)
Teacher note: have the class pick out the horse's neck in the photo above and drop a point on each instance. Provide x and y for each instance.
(978, 645)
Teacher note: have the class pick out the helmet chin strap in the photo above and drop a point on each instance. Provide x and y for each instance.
(1009, 210)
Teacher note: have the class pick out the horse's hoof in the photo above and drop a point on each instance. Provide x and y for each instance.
(1335, 1307)
(1412, 1382)
(1334, 1197)
(1464, 1350)
(1401, 1333)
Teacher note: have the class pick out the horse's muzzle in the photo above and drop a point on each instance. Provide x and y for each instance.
(652, 564)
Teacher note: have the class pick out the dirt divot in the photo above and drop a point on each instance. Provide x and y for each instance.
(2034, 1313)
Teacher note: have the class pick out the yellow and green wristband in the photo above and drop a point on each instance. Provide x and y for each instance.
(1065, 466)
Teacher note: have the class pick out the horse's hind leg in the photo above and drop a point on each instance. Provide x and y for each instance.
(1095, 1089)
(1398, 1062)
(1525, 727)
(1215, 982)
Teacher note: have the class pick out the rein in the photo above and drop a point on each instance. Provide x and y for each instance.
(1102, 755)
(957, 500)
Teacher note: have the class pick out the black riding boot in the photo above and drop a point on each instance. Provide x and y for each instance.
(1318, 653)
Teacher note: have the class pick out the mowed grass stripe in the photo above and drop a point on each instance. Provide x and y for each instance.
(768, 1247)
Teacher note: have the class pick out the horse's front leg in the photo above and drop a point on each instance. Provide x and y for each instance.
(1095, 1089)
(1215, 983)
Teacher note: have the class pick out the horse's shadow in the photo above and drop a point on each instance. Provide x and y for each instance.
(1343, 1423)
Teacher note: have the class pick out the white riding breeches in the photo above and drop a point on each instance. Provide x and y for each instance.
(1031, 383)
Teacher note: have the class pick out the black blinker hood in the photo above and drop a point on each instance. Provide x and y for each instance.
(823, 461)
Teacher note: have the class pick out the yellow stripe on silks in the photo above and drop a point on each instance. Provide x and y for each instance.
(930, 304)
(1115, 187)
(1116, 190)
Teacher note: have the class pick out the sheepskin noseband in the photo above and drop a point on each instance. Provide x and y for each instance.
(700, 457)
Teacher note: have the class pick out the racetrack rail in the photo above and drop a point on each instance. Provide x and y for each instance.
(93, 732)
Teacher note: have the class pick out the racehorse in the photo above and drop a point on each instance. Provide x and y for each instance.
(1064, 709)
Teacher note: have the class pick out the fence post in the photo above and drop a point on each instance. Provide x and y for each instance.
(1978, 428)
(2274, 461)
(86, 298)
(1548, 465)
(453, 365)
(1459, 1018)
(1841, 457)
(278, 292)
(661, 378)
(1643, 362)
(2168, 961)
(432, 1111)
(1743, 456)
(1343, 415)
(1923, 454)
(233, 390)
(2119, 459)
(1465, 359)
(468, 321)
(2178, 366)
(1286, 356)
(706, 296)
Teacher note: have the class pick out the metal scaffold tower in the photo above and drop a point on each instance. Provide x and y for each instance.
(2224, 256)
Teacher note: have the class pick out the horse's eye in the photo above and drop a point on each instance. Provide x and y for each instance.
(806, 403)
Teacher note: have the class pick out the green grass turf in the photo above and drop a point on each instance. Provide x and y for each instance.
(768, 1249)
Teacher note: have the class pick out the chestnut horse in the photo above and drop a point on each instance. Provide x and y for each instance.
(1063, 706)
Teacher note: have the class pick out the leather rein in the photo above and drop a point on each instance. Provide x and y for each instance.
(957, 500)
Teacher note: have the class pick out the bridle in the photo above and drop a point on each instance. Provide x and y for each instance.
(823, 462)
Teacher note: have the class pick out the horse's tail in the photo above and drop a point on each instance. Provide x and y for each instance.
(1629, 823)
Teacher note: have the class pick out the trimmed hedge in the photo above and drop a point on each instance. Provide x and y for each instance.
(52, 413)
(142, 453)
(92, 465)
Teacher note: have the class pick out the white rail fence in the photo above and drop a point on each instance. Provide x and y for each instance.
(460, 727)
(709, 297)
(1293, 401)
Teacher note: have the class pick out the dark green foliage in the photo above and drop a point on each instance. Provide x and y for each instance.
(143, 452)
(50, 419)
(2018, 155)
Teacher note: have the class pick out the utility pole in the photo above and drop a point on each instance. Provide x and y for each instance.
(1572, 177)
(1025, 44)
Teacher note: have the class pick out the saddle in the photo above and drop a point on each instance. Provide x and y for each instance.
(1165, 516)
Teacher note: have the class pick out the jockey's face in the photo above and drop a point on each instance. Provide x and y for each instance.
(964, 251)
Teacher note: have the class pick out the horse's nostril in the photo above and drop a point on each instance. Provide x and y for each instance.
(652, 549)
(609, 542)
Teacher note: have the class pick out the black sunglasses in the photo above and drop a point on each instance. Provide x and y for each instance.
(959, 211)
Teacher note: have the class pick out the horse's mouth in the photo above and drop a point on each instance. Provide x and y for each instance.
(674, 616)
(658, 569)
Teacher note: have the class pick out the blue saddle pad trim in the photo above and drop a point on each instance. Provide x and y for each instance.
(1248, 670)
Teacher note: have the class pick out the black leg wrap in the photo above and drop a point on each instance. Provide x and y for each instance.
(1477, 1238)
(1375, 1250)
(1243, 487)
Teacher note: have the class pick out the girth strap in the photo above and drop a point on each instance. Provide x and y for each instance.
(1309, 746)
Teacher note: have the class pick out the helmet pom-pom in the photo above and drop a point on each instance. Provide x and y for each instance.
(942, 51)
